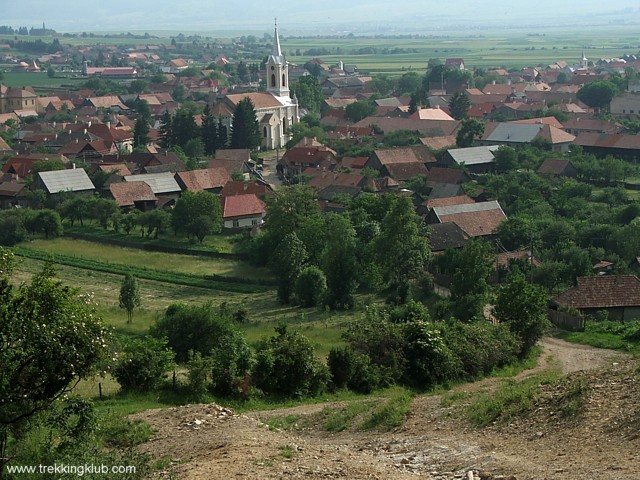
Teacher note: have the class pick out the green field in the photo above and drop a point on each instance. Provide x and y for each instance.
(154, 260)
(38, 79)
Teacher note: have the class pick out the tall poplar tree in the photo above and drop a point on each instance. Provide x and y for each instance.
(245, 130)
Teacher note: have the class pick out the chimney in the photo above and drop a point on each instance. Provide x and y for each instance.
(85, 131)
(89, 124)
(109, 124)
(73, 166)
(493, 82)
(245, 186)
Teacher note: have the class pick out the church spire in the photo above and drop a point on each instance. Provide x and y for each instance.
(277, 51)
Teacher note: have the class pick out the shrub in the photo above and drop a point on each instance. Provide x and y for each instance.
(480, 346)
(142, 363)
(199, 374)
(311, 286)
(231, 362)
(193, 329)
(286, 365)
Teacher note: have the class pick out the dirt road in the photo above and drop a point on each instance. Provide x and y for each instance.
(435, 442)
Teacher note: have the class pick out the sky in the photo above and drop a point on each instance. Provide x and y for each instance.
(300, 16)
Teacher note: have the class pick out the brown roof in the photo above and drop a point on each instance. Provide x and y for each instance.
(242, 206)
(446, 201)
(233, 154)
(4, 146)
(604, 291)
(353, 162)
(446, 175)
(418, 154)
(554, 166)
(554, 135)
(476, 219)
(542, 120)
(405, 171)
(233, 187)
(259, 99)
(438, 143)
(203, 179)
(324, 179)
(127, 193)
(432, 128)
(117, 168)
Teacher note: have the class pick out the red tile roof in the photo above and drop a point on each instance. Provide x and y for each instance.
(203, 179)
(127, 193)
(241, 188)
(242, 206)
(604, 291)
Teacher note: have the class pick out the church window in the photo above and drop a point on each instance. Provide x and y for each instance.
(284, 81)
(264, 132)
(273, 80)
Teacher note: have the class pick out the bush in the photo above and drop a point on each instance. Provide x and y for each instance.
(142, 363)
(311, 286)
(352, 370)
(480, 346)
(199, 373)
(286, 366)
(193, 329)
(231, 362)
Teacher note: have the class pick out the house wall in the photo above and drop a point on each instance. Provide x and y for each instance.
(246, 222)
(626, 105)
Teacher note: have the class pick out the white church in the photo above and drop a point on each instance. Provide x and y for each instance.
(276, 111)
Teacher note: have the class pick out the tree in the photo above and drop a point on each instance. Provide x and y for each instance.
(287, 263)
(470, 129)
(470, 288)
(48, 222)
(309, 93)
(523, 307)
(459, 105)
(506, 159)
(401, 250)
(311, 286)
(142, 363)
(358, 110)
(51, 340)
(165, 131)
(289, 209)
(197, 214)
(338, 261)
(51, 73)
(102, 210)
(209, 131)
(130, 295)
(193, 328)
(183, 127)
(141, 133)
(245, 130)
(286, 365)
(409, 82)
(598, 94)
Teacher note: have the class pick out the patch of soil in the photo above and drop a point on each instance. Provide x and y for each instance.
(599, 442)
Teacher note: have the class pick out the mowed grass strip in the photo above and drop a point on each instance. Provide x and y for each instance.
(189, 264)
(192, 280)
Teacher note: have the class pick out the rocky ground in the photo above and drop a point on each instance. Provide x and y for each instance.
(600, 442)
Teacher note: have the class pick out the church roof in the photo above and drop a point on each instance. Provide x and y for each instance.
(259, 99)
(276, 52)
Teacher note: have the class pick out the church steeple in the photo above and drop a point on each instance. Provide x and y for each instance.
(277, 70)
(277, 51)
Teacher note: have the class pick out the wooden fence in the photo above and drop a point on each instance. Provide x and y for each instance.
(566, 321)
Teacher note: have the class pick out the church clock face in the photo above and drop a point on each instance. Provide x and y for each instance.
(272, 67)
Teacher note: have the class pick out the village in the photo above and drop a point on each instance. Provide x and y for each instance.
(427, 230)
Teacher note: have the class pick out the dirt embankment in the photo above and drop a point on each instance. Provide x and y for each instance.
(600, 442)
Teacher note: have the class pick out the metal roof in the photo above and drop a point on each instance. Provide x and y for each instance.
(473, 155)
(163, 182)
(467, 207)
(514, 132)
(73, 180)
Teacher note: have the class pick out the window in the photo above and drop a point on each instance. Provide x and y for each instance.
(264, 132)
(254, 222)
(284, 81)
(236, 223)
(273, 80)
